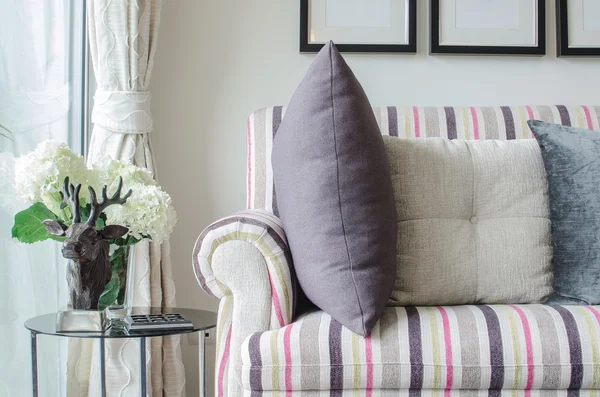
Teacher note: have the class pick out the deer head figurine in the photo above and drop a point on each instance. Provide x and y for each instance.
(86, 247)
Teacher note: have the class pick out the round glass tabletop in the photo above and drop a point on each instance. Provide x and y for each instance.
(202, 320)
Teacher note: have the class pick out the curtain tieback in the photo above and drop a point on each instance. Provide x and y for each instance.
(126, 112)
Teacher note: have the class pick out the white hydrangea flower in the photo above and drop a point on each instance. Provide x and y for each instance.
(108, 173)
(39, 175)
(148, 212)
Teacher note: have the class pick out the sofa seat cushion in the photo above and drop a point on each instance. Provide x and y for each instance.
(471, 347)
(426, 393)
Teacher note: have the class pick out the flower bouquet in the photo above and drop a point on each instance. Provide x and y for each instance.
(50, 179)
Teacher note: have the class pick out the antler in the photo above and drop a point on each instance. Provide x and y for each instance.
(70, 196)
(98, 207)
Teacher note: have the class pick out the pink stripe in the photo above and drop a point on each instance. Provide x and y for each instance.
(529, 112)
(288, 360)
(275, 298)
(249, 165)
(448, 343)
(369, 359)
(475, 123)
(530, 115)
(588, 117)
(416, 119)
(595, 313)
(224, 359)
(529, 348)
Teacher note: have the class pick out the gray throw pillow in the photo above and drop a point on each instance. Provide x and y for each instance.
(334, 194)
(572, 161)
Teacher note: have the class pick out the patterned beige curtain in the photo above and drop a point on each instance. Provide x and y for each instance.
(123, 36)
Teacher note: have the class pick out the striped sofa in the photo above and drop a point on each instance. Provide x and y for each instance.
(265, 349)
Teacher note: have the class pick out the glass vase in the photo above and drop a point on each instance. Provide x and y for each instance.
(118, 293)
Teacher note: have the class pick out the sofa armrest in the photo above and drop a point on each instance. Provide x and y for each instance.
(244, 260)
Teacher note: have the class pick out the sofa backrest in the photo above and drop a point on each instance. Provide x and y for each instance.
(467, 123)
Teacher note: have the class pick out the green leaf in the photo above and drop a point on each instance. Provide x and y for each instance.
(132, 240)
(100, 223)
(60, 239)
(127, 240)
(111, 291)
(85, 214)
(117, 260)
(29, 224)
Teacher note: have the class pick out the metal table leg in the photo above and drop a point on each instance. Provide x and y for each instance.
(34, 369)
(102, 369)
(201, 365)
(143, 367)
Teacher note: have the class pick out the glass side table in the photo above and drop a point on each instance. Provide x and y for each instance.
(46, 325)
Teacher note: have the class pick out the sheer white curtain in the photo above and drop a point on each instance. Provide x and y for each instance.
(37, 45)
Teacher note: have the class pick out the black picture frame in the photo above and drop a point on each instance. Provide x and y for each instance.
(562, 34)
(411, 47)
(435, 47)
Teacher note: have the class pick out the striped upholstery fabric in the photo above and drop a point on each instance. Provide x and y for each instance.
(499, 122)
(426, 393)
(512, 347)
(276, 355)
(263, 230)
(265, 233)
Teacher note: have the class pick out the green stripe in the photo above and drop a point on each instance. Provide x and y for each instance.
(408, 131)
(435, 347)
(221, 326)
(466, 124)
(355, 365)
(580, 119)
(515, 345)
(525, 131)
(587, 317)
(275, 360)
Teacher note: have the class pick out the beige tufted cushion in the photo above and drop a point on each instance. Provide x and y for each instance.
(473, 221)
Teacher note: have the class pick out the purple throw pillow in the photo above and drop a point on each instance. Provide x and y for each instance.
(334, 194)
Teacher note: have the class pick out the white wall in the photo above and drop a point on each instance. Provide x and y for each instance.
(218, 60)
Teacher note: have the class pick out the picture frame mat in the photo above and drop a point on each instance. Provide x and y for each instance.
(397, 33)
(577, 13)
(526, 36)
